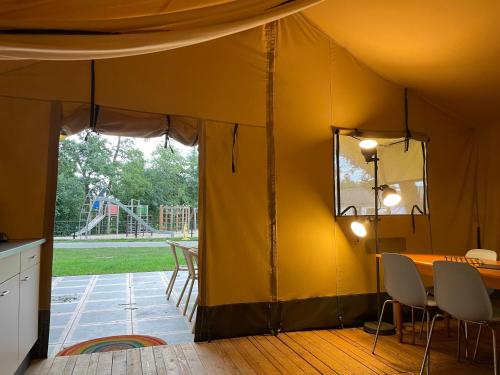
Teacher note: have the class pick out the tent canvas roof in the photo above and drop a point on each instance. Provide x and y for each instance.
(447, 50)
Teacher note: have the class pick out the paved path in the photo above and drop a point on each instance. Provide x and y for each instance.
(88, 307)
(97, 245)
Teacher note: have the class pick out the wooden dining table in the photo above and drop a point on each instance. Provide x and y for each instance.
(491, 277)
(424, 263)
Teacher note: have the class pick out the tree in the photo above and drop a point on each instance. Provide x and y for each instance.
(132, 181)
(89, 159)
(191, 172)
(169, 178)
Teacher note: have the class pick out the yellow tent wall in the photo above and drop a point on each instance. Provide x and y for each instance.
(319, 84)
(316, 271)
(28, 160)
(487, 217)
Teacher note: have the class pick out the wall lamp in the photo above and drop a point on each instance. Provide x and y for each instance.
(369, 149)
(390, 197)
(358, 227)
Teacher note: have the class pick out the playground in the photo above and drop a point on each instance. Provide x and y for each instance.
(103, 216)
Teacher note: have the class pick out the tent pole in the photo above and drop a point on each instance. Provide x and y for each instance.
(371, 326)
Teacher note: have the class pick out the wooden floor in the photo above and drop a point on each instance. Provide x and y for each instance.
(346, 351)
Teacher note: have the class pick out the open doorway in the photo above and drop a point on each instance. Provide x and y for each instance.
(119, 200)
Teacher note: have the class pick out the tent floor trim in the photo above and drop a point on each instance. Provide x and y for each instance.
(325, 351)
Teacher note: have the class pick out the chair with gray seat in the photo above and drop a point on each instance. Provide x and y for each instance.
(404, 285)
(460, 292)
(482, 254)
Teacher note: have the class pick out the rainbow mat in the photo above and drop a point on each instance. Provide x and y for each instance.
(111, 343)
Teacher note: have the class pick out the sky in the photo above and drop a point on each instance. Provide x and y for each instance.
(147, 145)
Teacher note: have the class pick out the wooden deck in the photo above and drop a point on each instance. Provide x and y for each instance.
(346, 351)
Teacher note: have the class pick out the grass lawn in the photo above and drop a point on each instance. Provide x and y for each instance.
(132, 239)
(69, 262)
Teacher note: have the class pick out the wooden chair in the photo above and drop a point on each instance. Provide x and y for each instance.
(192, 277)
(194, 255)
(178, 267)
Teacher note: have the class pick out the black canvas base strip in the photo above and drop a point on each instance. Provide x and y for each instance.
(245, 319)
(235, 320)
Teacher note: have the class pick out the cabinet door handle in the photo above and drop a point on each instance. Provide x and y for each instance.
(4, 293)
(25, 278)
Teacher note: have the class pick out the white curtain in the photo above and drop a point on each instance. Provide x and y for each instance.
(88, 29)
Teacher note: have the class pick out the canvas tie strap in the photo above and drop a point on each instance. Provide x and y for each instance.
(167, 134)
(94, 109)
(233, 152)
(407, 128)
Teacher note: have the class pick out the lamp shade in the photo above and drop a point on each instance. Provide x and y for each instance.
(390, 197)
(359, 228)
(368, 144)
(368, 149)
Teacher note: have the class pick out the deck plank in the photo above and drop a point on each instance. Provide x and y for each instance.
(105, 363)
(338, 361)
(213, 359)
(182, 361)
(82, 364)
(70, 365)
(47, 365)
(291, 356)
(94, 360)
(253, 356)
(357, 354)
(195, 365)
(304, 353)
(172, 363)
(148, 361)
(58, 366)
(343, 351)
(284, 356)
(391, 355)
(234, 360)
(134, 366)
(159, 362)
(119, 365)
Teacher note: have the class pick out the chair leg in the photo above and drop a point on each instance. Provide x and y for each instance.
(465, 332)
(477, 343)
(413, 324)
(171, 283)
(428, 315)
(494, 350)
(422, 324)
(183, 290)
(459, 340)
(379, 323)
(428, 346)
(188, 296)
(193, 310)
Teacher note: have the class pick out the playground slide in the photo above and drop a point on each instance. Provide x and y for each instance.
(145, 225)
(87, 228)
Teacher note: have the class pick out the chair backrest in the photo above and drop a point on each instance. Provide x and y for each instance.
(402, 280)
(482, 254)
(194, 254)
(189, 261)
(460, 291)
(174, 252)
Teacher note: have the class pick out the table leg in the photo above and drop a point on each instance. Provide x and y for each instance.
(398, 320)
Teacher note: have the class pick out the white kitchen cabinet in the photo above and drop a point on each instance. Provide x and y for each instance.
(19, 289)
(28, 309)
(9, 320)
